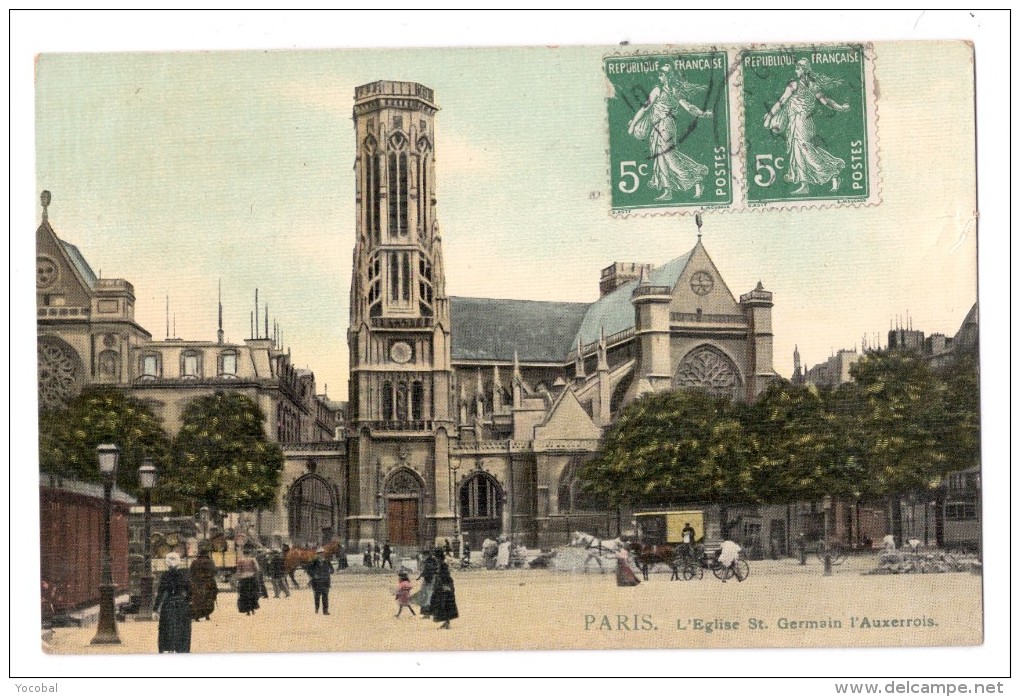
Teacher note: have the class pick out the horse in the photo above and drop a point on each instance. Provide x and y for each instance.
(647, 556)
(597, 547)
(302, 557)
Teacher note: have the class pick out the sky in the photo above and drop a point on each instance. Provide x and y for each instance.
(180, 171)
(177, 172)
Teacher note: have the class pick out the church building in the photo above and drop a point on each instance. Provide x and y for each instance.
(473, 415)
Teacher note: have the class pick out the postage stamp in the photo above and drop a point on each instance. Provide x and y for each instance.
(808, 125)
(669, 134)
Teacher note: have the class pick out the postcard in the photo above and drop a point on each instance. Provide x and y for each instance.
(520, 348)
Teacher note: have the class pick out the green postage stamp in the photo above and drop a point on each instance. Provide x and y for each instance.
(737, 127)
(806, 124)
(669, 139)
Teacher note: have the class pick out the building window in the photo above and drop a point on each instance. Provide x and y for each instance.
(191, 364)
(481, 497)
(961, 511)
(150, 365)
(417, 400)
(387, 400)
(572, 496)
(396, 194)
(228, 364)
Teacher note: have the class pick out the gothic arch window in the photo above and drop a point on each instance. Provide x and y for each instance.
(572, 496)
(387, 400)
(396, 190)
(60, 373)
(417, 400)
(481, 497)
(311, 510)
(708, 369)
(404, 482)
(109, 366)
(370, 174)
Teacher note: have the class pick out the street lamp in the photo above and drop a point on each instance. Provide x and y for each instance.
(106, 632)
(826, 552)
(203, 518)
(455, 504)
(147, 480)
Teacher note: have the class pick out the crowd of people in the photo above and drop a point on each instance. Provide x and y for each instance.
(188, 594)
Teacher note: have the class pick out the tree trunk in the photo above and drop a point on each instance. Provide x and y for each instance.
(896, 520)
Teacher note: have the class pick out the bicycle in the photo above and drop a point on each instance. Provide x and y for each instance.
(739, 569)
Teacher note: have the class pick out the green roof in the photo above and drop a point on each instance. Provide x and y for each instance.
(614, 311)
(79, 263)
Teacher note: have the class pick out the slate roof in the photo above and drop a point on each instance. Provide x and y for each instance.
(79, 263)
(614, 310)
(491, 329)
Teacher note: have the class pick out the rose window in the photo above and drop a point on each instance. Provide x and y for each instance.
(59, 374)
(707, 369)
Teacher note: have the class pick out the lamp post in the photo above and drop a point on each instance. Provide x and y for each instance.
(147, 480)
(455, 504)
(106, 632)
(203, 519)
(826, 551)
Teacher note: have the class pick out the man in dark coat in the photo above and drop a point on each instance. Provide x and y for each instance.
(387, 554)
(277, 576)
(319, 571)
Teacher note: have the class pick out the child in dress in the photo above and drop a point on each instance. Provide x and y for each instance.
(403, 593)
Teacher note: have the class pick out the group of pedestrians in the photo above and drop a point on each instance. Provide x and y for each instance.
(376, 556)
(436, 598)
(187, 595)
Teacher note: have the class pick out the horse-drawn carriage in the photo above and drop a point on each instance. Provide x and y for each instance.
(677, 539)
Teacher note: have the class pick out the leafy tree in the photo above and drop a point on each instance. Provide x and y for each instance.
(960, 432)
(68, 437)
(902, 412)
(672, 447)
(224, 457)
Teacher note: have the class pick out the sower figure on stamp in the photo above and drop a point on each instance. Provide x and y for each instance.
(656, 121)
(794, 114)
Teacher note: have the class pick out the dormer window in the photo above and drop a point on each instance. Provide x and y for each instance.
(150, 366)
(191, 364)
(228, 364)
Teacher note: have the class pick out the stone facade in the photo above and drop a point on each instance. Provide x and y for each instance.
(87, 335)
(473, 416)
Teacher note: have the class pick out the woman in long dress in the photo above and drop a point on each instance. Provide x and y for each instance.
(203, 586)
(444, 598)
(807, 162)
(656, 121)
(423, 596)
(247, 584)
(173, 603)
(625, 575)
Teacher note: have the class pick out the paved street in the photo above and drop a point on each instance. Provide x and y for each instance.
(542, 609)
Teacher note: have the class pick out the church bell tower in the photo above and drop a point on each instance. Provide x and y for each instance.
(399, 337)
